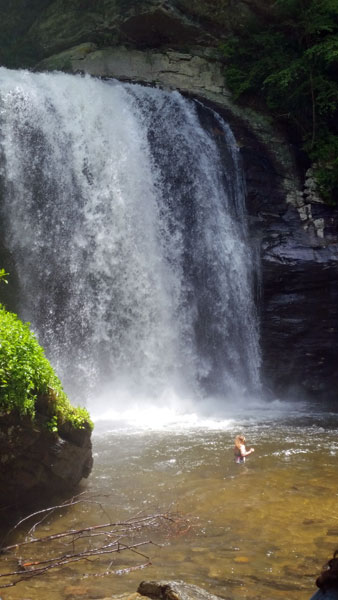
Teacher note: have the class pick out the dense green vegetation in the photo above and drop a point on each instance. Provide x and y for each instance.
(289, 63)
(27, 379)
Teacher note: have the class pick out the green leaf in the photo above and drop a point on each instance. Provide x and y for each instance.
(26, 376)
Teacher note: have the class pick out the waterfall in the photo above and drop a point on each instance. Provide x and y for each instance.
(124, 209)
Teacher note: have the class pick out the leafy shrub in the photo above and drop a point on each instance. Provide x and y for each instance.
(27, 379)
(290, 64)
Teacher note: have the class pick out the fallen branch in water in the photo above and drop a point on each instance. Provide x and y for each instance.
(88, 543)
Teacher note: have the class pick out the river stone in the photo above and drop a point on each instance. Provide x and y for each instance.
(35, 462)
(173, 590)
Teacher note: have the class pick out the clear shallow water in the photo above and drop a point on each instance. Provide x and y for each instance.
(259, 531)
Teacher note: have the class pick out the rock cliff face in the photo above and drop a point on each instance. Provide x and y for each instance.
(298, 247)
(175, 44)
(41, 28)
(35, 463)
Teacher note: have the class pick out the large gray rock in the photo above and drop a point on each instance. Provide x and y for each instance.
(177, 70)
(173, 590)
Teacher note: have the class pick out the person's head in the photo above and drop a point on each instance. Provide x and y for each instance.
(328, 578)
(239, 440)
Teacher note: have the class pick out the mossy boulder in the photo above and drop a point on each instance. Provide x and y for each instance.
(36, 463)
(45, 442)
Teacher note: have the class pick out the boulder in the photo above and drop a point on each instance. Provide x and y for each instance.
(173, 590)
(36, 463)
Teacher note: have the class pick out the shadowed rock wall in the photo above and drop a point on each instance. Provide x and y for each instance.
(298, 247)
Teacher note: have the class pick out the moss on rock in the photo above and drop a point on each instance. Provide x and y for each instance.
(45, 444)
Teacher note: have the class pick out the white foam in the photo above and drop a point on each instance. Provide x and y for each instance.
(118, 409)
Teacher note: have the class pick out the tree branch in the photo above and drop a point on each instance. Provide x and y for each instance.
(96, 541)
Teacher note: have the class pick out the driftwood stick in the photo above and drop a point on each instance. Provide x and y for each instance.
(88, 543)
(130, 523)
(34, 568)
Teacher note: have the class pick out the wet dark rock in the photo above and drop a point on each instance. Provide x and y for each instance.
(161, 25)
(299, 285)
(36, 463)
(299, 316)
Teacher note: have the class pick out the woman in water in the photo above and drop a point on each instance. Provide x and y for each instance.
(328, 581)
(240, 451)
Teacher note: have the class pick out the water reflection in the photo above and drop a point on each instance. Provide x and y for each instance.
(262, 531)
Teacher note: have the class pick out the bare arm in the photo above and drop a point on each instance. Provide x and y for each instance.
(245, 452)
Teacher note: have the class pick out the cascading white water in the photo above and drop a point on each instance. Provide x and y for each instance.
(126, 220)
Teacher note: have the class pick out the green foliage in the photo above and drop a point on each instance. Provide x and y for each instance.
(52, 424)
(28, 379)
(3, 274)
(290, 64)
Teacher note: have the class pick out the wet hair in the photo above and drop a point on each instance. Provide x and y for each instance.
(328, 578)
(239, 440)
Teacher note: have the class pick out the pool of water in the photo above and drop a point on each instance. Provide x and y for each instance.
(258, 531)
